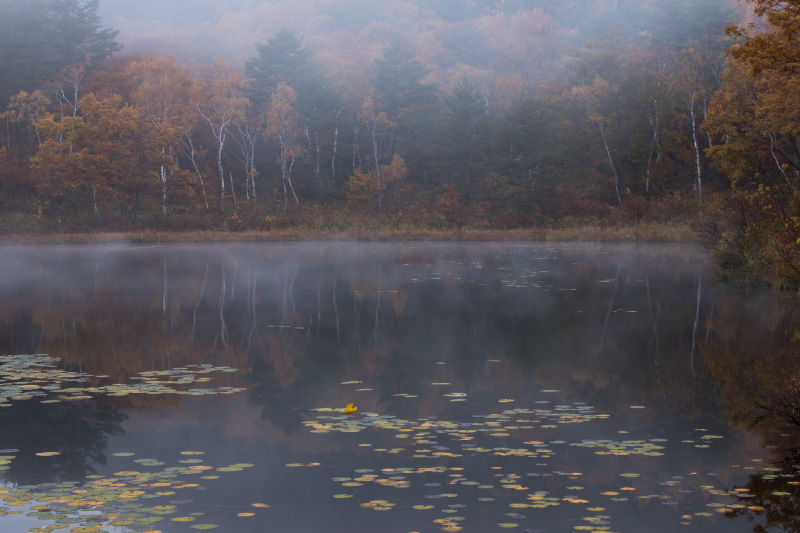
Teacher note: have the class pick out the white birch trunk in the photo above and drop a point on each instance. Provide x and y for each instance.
(611, 162)
(777, 162)
(696, 150)
(318, 166)
(220, 133)
(377, 168)
(163, 190)
(189, 148)
(221, 178)
(233, 191)
(333, 158)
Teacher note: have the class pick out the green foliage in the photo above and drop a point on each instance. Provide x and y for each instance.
(39, 38)
(283, 58)
(405, 97)
(463, 134)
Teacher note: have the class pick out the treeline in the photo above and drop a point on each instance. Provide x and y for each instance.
(654, 124)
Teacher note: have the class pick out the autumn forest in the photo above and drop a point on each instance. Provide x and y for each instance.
(407, 114)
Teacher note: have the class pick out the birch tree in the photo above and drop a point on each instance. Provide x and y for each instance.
(161, 92)
(283, 125)
(27, 108)
(249, 127)
(377, 124)
(591, 98)
(690, 84)
(220, 104)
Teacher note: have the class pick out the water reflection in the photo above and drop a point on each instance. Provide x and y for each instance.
(609, 327)
(771, 499)
(78, 432)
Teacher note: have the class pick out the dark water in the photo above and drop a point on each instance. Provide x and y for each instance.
(541, 388)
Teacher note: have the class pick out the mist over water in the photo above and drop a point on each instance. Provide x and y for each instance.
(557, 378)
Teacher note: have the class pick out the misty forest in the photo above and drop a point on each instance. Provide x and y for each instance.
(408, 266)
(430, 114)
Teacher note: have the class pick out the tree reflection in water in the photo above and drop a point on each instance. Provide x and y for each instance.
(77, 430)
(610, 327)
(771, 499)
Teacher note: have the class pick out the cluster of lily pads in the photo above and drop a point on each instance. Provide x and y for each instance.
(446, 447)
(118, 499)
(450, 489)
(23, 377)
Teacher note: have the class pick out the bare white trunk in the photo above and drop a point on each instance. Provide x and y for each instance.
(189, 145)
(253, 182)
(654, 148)
(38, 138)
(249, 128)
(220, 133)
(611, 162)
(163, 190)
(247, 181)
(333, 158)
(286, 173)
(777, 162)
(289, 181)
(163, 170)
(318, 166)
(285, 191)
(221, 178)
(377, 168)
(696, 150)
(233, 191)
(705, 117)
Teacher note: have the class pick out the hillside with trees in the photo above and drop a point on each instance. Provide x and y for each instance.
(377, 114)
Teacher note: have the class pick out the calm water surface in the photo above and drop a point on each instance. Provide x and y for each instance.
(540, 388)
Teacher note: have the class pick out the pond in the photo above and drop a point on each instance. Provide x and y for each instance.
(494, 386)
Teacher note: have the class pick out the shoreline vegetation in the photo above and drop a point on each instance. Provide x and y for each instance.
(504, 116)
(633, 232)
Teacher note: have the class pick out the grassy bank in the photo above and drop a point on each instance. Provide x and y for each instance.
(639, 232)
